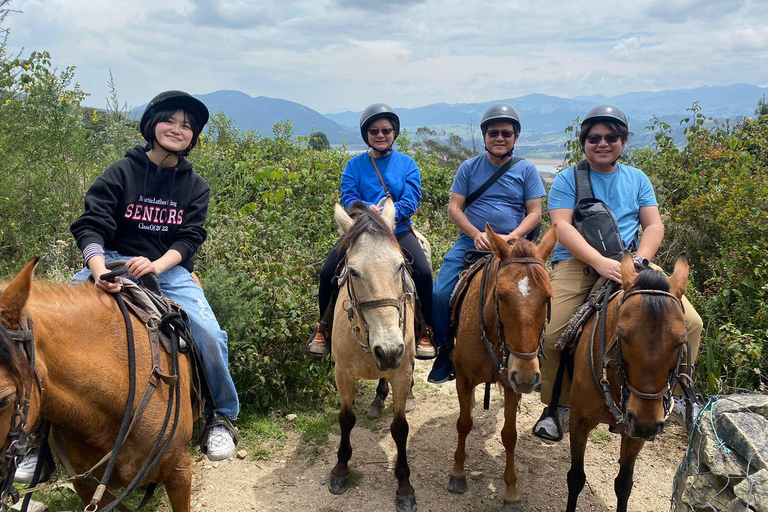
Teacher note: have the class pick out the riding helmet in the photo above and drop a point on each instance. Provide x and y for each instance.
(374, 112)
(170, 100)
(500, 112)
(605, 113)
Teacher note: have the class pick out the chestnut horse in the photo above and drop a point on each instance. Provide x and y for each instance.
(500, 322)
(645, 345)
(373, 332)
(82, 361)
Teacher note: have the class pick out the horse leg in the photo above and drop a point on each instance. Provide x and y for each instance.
(457, 483)
(410, 402)
(630, 448)
(178, 486)
(405, 498)
(377, 406)
(579, 429)
(512, 501)
(340, 474)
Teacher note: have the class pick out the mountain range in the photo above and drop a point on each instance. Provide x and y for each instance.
(543, 117)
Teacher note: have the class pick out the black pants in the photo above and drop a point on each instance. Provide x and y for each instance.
(422, 275)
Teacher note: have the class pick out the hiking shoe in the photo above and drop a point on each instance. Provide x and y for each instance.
(317, 345)
(442, 369)
(425, 349)
(26, 469)
(220, 444)
(546, 427)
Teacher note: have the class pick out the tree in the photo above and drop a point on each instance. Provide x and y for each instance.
(762, 107)
(318, 141)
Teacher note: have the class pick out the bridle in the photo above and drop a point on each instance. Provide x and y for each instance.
(16, 445)
(355, 307)
(626, 389)
(506, 348)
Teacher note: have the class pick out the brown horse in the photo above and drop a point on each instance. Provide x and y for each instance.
(645, 344)
(373, 334)
(503, 313)
(81, 358)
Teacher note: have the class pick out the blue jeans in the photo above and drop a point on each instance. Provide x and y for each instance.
(177, 284)
(453, 264)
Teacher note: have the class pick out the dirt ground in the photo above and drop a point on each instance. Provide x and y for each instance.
(289, 482)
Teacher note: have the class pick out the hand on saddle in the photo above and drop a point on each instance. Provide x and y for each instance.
(375, 208)
(608, 268)
(481, 242)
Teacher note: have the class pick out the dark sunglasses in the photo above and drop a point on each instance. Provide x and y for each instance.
(375, 131)
(507, 134)
(610, 138)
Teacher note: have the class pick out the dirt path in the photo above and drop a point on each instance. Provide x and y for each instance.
(288, 482)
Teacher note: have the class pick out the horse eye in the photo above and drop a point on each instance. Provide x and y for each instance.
(354, 273)
(6, 402)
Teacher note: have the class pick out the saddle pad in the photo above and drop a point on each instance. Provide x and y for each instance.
(138, 296)
(581, 316)
(460, 291)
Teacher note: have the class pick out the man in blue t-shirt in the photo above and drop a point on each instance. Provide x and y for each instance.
(511, 205)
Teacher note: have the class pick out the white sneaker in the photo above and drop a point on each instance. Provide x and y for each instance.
(26, 469)
(546, 428)
(219, 444)
(677, 414)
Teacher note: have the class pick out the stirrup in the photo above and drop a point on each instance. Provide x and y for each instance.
(318, 349)
(429, 352)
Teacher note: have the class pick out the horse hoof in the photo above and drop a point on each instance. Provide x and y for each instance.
(457, 485)
(374, 412)
(406, 503)
(338, 485)
(512, 506)
(410, 404)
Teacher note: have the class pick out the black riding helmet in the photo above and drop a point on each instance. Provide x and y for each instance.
(605, 113)
(374, 112)
(500, 112)
(174, 100)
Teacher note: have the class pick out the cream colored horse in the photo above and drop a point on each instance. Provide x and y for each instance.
(373, 335)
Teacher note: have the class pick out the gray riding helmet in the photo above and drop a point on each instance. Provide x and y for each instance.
(374, 112)
(500, 112)
(605, 113)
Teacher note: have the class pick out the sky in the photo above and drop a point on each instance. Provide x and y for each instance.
(337, 55)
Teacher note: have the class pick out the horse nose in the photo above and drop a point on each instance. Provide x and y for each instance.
(388, 359)
(647, 432)
(524, 382)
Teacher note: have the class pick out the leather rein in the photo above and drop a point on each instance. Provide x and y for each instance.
(625, 388)
(506, 348)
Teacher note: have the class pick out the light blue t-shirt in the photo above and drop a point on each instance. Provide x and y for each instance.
(503, 204)
(625, 190)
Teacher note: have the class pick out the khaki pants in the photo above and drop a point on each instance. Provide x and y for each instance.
(570, 287)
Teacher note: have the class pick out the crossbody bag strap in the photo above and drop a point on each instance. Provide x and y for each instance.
(471, 198)
(386, 191)
(583, 182)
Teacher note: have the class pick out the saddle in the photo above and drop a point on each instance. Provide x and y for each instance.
(474, 261)
(575, 326)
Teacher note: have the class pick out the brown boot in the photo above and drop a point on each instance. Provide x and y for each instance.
(317, 344)
(425, 348)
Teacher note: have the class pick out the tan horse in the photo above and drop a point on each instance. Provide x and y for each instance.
(645, 344)
(373, 335)
(81, 357)
(515, 300)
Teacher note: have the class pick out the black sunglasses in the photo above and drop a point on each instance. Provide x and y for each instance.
(375, 131)
(610, 138)
(507, 134)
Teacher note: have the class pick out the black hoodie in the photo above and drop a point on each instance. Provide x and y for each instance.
(137, 211)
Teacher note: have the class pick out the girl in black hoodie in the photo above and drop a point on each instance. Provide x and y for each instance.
(150, 209)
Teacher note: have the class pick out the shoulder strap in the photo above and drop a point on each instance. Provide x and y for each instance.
(386, 191)
(471, 198)
(583, 183)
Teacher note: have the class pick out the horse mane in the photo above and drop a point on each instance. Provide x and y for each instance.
(366, 221)
(651, 279)
(523, 248)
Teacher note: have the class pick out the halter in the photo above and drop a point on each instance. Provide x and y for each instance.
(506, 348)
(626, 389)
(355, 307)
(16, 445)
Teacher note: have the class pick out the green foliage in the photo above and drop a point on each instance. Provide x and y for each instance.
(762, 107)
(318, 141)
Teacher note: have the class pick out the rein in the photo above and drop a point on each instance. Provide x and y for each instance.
(625, 388)
(506, 348)
(356, 307)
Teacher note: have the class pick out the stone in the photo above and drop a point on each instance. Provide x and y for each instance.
(754, 490)
(241, 454)
(291, 417)
(745, 402)
(747, 434)
(703, 492)
(707, 451)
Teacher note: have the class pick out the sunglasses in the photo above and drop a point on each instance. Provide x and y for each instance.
(610, 138)
(375, 131)
(507, 134)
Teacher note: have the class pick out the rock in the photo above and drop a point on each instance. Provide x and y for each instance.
(754, 490)
(747, 434)
(705, 491)
(291, 417)
(755, 403)
(476, 474)
(241, 454)
(713, 455)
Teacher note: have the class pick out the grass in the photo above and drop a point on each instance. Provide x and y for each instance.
(599, 435)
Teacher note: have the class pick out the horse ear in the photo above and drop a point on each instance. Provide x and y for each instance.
(388, 212)
(343, 220)
(679, 278)
(628, 272)
(14, 297)
(548, 242)
(499, 247)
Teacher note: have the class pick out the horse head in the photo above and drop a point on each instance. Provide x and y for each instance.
(652, 339)
(522, 297)
(374, 280)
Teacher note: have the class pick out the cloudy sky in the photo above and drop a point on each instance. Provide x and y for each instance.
(335, 55)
